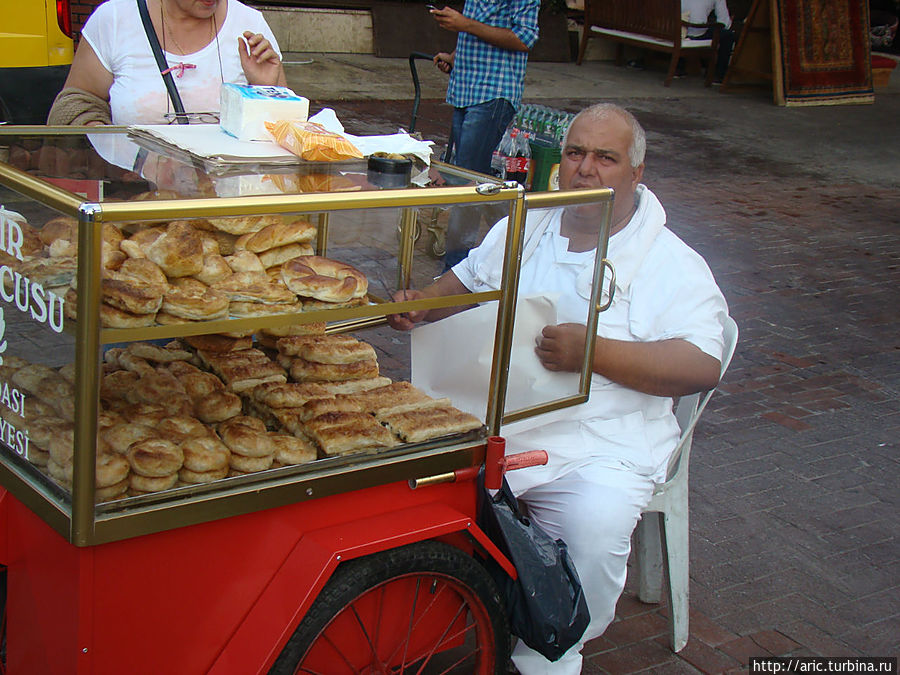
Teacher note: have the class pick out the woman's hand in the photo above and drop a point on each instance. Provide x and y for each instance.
(260, 60)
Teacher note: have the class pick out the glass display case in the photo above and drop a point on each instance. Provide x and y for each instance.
(183, 342)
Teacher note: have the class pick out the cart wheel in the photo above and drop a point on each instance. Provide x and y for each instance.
(438, 245)
(416, 233)
(423, 608)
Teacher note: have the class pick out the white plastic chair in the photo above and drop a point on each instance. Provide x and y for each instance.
(663, 528)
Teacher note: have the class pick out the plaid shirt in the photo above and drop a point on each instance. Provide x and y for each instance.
(482, 72)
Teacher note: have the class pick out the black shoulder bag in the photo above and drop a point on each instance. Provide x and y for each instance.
(545, 604)
(161, 63)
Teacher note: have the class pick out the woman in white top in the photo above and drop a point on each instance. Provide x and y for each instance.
(205, 42)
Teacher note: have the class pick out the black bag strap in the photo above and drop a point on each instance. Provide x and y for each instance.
(161, 62)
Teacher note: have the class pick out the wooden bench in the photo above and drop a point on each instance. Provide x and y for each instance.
(651, 24)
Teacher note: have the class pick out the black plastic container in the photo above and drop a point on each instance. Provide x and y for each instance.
(385, 172)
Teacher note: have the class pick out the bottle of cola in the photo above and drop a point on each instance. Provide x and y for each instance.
(501, 152)
(516, 161)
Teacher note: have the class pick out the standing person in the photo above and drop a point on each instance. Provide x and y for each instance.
(487, 74)
(698, 11)
(205, 42)
(662, 337)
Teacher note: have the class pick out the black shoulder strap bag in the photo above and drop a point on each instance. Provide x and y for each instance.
(161, 63)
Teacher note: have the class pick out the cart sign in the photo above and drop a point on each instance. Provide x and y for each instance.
(29, 297)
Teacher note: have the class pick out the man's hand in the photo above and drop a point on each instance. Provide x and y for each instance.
(561, 348)
(449, 19)
(444, 61)
(259, 60)
(407, 320)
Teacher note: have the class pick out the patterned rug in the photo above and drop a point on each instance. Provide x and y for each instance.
(825, 52)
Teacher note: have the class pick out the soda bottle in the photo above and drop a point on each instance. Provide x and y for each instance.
(525, 161)
(501, 152)
(516, 168)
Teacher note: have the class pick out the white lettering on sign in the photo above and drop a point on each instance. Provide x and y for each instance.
(13, 399)
(11, 236)
(15, 439)
(31, 298)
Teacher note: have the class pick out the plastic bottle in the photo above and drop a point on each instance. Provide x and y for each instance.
(526, 161)
(501, 153)
(516, 167)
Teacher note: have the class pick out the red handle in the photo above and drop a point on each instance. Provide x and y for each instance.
(495, 464)
(526, 459)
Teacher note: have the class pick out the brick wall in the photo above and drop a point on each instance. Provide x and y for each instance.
(81, 10)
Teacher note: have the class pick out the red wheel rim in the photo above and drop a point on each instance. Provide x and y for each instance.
(422, 623)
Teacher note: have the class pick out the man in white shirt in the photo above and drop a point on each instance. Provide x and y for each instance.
(698, 11)
(661, 337)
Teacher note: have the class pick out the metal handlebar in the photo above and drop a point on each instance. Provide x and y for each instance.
(415, 76)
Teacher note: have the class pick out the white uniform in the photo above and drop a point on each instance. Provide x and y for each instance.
(138, 94)
(698, 11)
(605, 454)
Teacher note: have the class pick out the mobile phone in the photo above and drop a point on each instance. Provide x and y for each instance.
(431, 7)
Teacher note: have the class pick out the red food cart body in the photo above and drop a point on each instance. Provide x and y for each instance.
(220, 597)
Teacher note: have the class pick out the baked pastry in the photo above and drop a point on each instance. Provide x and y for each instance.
(314, 328)
(218, 343)
(158, 353)
(353, 386)
(217, 407)
(111, 492)
(246, 464)
(319, 406)
(395, 397)
(335, 349)
(215, 269)
(310, 371)
(253, 309)
(287, 394)
(245, 224)
(313, 305)
(129, 361)
(110, 469)
(291, 449)
(30, 377)
(254, 287)
(324, 279)
(189, 298)
(139, 484)
(204, 454)
(245, 261)
(60, 227)
(202, 477)
(112, 317)
(122, 436)
(276, 235)
(154, 458)
(422, 424)
(179, 251)
(274, 257)
(246, 436)
(340, 433)
(180, 428)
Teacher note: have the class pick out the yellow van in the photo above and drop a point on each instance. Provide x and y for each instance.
(36, 50)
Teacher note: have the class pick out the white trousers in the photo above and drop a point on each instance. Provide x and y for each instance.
(594, 510)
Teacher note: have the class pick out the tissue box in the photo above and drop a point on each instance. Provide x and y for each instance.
(245, 108)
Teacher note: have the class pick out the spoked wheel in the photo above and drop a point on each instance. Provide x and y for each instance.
(427, 608)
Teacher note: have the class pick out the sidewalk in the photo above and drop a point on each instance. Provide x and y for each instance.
(794, 505)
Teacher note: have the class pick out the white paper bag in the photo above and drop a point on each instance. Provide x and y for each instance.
(452, 358)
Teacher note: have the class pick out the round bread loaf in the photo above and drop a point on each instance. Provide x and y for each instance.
(215, 269)
(111, 492)
(111, 468)
(144, 484)
(123, 435)
(218, 407)
(179, 429)
(204, 454)
(245, 261)
(246, 436)
(201, 477)
(292, 449)
(154, 458)
(250, 464)
(200, 384)
(113, 317)
(276, 256)
(324, 279)
(239, 309)
(60, 227)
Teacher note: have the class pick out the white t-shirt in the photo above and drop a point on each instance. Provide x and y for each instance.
(138, 94)
(698, 11)
(664, 290)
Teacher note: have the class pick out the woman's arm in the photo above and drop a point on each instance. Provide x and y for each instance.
(88, 74)
(260, 60)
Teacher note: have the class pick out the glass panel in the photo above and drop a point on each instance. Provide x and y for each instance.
(38, 249)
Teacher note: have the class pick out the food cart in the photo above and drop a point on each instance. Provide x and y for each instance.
(364, 561)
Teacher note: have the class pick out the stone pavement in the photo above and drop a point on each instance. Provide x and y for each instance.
(794, 508)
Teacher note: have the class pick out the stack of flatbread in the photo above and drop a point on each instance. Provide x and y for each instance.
(342, 361)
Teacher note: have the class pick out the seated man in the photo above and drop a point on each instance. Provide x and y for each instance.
(662, 337)
(699, 11)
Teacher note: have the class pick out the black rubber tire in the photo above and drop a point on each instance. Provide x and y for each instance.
(354, 578)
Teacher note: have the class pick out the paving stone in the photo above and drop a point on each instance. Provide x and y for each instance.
(706, 659)
(774, 642)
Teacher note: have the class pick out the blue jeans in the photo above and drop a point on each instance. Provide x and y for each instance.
(475, 132)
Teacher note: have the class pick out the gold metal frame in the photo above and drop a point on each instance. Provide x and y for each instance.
(88, 524)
